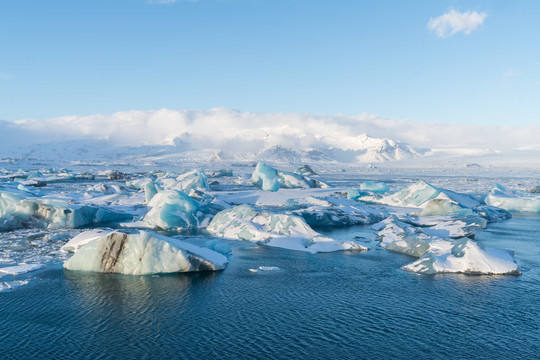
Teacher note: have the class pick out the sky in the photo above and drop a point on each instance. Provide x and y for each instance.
(465, 62)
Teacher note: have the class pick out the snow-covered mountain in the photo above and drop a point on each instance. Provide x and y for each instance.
(225, 135)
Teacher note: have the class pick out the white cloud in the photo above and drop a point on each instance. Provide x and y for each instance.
(454, 22)
(4, 76)
(510, 74)
(243, 131)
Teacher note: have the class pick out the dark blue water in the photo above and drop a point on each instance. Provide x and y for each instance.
(338, 305)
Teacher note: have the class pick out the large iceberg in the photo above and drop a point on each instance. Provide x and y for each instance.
(513, 200)
(269, 179)
(278, 230)
(141, 253)
(19, 209)
(467, 257)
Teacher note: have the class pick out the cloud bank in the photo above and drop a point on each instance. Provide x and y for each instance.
(454, 22)
(232, 130)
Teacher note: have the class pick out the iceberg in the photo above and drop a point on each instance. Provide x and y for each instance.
(19, 210)
(141, 253)
(433, 200)
(513, 200)
(195, 179)
(173, 209)
(466, 257)
(337, 212)
(278, 230)
(269, 179)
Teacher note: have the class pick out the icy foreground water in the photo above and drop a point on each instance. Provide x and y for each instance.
(329, 305)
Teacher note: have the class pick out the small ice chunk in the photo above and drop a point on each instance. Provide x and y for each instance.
(11, 285)
(268, 268)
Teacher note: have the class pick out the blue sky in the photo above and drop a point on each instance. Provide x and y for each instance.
(323, 57)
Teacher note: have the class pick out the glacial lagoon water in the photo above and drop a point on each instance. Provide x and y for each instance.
(343, 305)
(338, 305)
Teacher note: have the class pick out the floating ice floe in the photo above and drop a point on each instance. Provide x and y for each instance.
(141, 253)
(513, 200)
(336, 211)
(467, 257)
(269, 179)
(19, 210)
(11, 285)
(264, 268)
(21, 269)
(278, 230)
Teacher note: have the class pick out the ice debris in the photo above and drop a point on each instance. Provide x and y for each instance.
(141, 253)
(278, 230)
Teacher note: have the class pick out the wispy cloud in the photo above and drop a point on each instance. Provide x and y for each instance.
(510, 74)
(454, 22)
(4, 76)
(161, 1)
